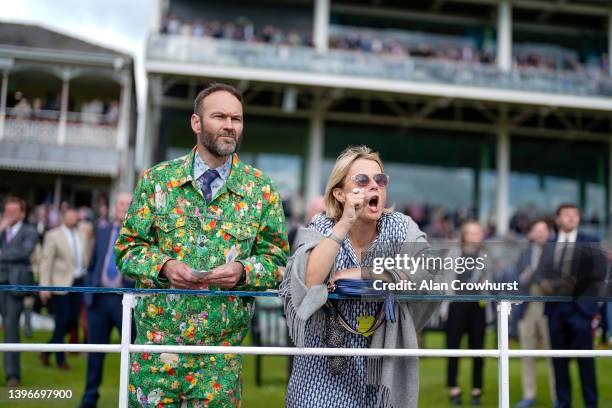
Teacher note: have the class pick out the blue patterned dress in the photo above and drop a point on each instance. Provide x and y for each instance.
(311, 385)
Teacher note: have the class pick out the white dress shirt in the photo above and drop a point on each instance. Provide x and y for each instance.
(77, 250)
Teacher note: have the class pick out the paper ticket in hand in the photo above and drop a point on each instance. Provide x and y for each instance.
(232, 254)
(200, 274)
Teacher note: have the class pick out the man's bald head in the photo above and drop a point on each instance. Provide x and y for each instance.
(315, 206)
(122, 205)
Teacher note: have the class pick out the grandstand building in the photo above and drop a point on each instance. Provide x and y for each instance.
(490, 107)
(67, 117)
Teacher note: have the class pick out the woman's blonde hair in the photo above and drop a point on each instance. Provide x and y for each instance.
(334, 208)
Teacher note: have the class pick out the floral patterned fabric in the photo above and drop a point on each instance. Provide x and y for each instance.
(169, 219)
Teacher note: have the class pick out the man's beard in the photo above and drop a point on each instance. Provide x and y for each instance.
(218, 149)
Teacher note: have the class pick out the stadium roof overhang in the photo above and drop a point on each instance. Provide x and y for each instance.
(373, 85)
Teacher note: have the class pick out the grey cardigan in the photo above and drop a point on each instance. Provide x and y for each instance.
(397, 377)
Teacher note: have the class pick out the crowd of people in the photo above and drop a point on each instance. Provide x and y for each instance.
(242, 29)
(542, 57)
(68, 247)
(95, 111)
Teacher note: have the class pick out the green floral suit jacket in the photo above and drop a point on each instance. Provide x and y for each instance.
(169, 219)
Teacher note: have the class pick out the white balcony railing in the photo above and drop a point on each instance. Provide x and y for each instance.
(82, 129)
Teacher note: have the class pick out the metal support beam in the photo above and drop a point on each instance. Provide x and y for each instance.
(321, 25)
(61, 134)
(504, 36)
(503, 174)
(315, 155)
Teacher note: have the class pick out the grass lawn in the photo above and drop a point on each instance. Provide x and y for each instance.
(271, 393)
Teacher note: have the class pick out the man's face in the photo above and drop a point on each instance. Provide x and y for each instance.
(71, 218)
(219, 125)
(13, 213)
(568, 219)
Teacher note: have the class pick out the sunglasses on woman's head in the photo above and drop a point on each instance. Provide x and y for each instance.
(363, 180)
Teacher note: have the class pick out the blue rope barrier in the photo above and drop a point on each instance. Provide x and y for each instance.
(275, 293)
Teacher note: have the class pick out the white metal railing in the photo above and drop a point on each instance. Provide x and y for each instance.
(502, 353)
(81, 128)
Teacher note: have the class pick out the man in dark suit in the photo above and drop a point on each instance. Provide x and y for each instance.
(103, 309)
(572, 264)
(17, 242)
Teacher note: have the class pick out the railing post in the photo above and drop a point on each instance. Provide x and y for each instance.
(126, 339)
(503, 311)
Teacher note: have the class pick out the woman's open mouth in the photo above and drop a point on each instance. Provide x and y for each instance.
(373, 203)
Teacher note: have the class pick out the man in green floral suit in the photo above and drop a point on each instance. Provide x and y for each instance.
(206, 211)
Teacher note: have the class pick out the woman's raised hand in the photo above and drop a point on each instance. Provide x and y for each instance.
(353, 206)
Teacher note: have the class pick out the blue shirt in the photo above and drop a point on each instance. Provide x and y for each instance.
(199, 168)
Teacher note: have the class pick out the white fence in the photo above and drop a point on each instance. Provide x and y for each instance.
(502, 353)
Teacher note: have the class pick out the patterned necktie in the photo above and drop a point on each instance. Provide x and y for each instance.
(205, 181)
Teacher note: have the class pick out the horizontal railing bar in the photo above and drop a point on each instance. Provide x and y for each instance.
(560, 353)
(296, 351)
(53, 347)
(275, 293)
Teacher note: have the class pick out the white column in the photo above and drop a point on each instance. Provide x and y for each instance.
(610, 43)
(125, 103)
(504, 36)
(320, 32)
(148, 123)
(3, 92)
(61, 134)
(315, 155)
(503, 174)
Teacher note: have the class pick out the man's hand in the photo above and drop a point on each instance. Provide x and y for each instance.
(225, 276)
(180, 275)
(45, 295)
(4, 223)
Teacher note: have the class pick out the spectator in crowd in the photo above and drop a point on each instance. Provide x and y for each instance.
(22, 110)
(102, 220)
(573, 265)
(91, 112)
(37, 109)
(17, 242)
(532, 323)
(315, 206)
(104, 310)
(40, 221)
(467, 318)
(111, 117)
(63, 263)
(332, 250)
